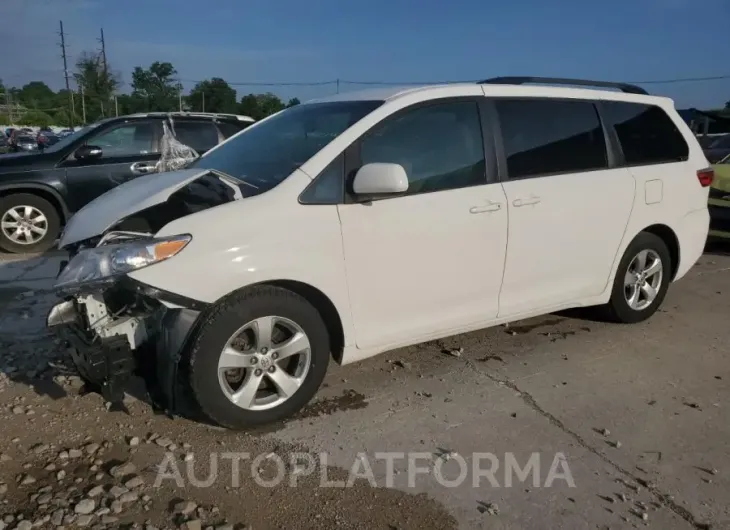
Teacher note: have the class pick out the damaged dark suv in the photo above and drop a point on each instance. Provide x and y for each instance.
(39, 191)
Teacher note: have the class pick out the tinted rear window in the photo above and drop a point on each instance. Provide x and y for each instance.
(200, 135)
(551, 136)
(229, 129)
(646, 133)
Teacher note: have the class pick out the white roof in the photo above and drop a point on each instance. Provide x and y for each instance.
(497, 90)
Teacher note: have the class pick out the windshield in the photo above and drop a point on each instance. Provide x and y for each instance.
(68, 140)
(265, 154)
(721, 143)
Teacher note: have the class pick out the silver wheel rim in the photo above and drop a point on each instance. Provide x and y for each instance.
(24, 225)
(643, 280)
(264, 363)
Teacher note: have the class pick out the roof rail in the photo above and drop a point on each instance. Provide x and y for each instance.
(205, 114)
(624, 87)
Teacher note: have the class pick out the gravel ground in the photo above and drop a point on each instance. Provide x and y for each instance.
(641, 414)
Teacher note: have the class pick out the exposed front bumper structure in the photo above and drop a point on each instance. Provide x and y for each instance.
(122, 330)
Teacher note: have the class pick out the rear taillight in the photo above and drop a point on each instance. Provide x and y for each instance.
(706, 176)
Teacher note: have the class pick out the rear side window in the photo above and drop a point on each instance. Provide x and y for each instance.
(200, 135)
(647, 135)
(543, 137)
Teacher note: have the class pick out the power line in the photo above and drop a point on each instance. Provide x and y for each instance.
(681, 80)
(257, 83)
(432, 82)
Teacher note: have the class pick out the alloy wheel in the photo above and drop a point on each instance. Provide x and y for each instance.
(643, 279)
(24, 225)
(264, 363)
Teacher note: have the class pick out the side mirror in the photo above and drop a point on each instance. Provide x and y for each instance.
(88, 152)
(380, 179)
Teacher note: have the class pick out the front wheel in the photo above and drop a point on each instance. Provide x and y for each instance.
(642, 280)
(28, 223)
(259, 358)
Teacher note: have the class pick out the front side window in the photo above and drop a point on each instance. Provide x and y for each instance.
(440, 146)
(543, 137)
(130, 139)
(267, 153)
(647, 135)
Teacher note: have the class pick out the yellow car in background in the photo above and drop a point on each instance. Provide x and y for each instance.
(719, 202)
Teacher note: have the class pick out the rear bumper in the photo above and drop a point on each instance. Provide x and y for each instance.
(108, 349)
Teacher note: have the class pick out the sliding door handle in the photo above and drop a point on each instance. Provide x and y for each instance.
(491, 207)
(525, 202)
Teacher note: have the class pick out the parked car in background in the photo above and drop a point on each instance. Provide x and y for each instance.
(18, 140)
(46, 139)
(53, 183)
(23, 142)
(719, 201)
(3, 143)
(368, 221)
(718, 148)
(63, 133)
(9, 131)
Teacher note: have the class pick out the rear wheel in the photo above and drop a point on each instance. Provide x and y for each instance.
(28, 223)
(642, 280)
(260, 358)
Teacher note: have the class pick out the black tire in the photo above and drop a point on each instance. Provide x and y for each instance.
(618, 309)
(232, 313)
(52, 216)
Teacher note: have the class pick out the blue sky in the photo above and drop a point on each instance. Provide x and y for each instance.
(380, 40)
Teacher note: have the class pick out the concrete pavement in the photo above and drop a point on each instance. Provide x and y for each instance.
(641, 413)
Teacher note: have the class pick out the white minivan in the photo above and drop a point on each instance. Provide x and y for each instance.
(348, 226)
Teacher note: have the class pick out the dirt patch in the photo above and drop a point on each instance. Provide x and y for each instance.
(61, 451)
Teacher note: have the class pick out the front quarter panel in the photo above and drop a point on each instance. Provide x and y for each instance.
(265, 238)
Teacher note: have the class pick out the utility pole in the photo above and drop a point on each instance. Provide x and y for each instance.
(203, 93)
(83, 104)
(179, 97)
(9, 101)
(65, 74)
(103, 51)
(104, 63)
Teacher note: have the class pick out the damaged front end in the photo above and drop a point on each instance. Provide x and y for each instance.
(114, 326)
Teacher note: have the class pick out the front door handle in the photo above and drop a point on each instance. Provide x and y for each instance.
(525, 202)
(491, 207)
(142, 168)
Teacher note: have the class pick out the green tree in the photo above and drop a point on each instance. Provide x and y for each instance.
(293, 102)
(259, 106)
(214, 95)
(63, 117)
(37, 95)
(36, 118)
(157, 87)
(98, 85)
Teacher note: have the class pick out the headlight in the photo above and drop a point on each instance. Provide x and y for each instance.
(105, 262)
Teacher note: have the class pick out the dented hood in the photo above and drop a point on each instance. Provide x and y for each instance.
(124, 200)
